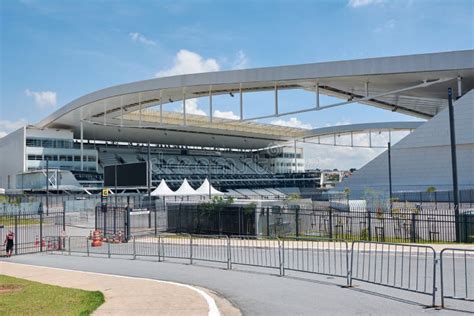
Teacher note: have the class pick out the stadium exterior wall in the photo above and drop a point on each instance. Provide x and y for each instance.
(423, 158)
(12, 157)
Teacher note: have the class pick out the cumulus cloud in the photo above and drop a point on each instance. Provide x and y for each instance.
(192, 107)
(362, 3)
(241, 60)
(140, 38)
(187, 62)
(291, 122)
(7, 126)
(342, 158)
(43, 99)
(226, 114)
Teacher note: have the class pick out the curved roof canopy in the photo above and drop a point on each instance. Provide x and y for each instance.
(415, 85)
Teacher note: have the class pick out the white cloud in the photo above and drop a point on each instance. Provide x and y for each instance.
(362, 3)
(140, 38)
(7, 126)
(43, 99)
(226, 114)
(192, 107)
(187, 62)
(241, 60)
(292, 122)
(342, 158)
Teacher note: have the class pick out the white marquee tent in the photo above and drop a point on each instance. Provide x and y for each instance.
(204, 189)
(163, 190)
(185, 189)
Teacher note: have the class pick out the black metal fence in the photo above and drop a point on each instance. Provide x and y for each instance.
(466, 197)
(30, 230)
(122, 222)
(401, 225)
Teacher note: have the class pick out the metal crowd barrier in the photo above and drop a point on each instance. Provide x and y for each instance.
(457, 276)
(320, 256)
(406, 267)
(257, 252)
(402, 266)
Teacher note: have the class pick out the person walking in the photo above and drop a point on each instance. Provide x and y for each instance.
(9, 243)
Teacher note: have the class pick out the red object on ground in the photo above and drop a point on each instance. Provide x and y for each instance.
(96, 240)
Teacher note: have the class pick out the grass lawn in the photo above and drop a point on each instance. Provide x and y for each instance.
(23, 297)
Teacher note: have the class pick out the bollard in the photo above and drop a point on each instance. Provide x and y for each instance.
(108, 249)
(68, 245)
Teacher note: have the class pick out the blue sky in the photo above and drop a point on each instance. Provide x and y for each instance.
(55, 51)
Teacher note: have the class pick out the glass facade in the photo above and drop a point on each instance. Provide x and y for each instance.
(60, 153)
(49, 143)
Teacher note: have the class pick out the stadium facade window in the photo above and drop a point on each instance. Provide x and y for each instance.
(35, 157)
(32, 142)
(49, 143)
(51, 157)
(65, 158)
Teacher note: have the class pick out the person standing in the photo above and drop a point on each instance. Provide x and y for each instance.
(9, 243)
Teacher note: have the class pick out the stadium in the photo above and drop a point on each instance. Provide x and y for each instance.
(131, 125)
(135, 172)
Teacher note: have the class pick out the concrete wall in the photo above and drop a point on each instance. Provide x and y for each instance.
(423, 158)
(12, 158)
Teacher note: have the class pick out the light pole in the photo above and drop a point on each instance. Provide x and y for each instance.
(454, 162)
(47, 186)
(390, 174)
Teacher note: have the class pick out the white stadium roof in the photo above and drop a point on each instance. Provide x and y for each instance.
(415, 85)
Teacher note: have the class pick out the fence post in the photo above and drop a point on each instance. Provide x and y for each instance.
(41, 232)
(349, 270)
(128, 226)
(435, 261)
(268, 222)
(156, 218)
(69, 245)
(64, 216)
(369, 225)
(190, 249)
(297, 221)
(16, 235)
(229, 254)
(330, 223)
(87, 245)
(347, 263)
(441, 276)
(281, 245)
(108, 249)
(134, 248)
(413, 228)
(159, 248)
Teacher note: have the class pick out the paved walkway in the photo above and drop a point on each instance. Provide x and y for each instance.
(129, 295)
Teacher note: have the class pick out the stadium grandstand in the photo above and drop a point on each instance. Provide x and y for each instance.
(129, 124)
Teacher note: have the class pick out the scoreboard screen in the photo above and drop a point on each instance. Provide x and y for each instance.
(126, 175)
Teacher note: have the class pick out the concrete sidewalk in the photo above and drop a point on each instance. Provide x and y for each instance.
(127, 295)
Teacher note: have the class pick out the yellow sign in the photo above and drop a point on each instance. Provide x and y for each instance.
(105, 192)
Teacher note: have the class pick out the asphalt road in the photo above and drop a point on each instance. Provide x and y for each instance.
(258, 291)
